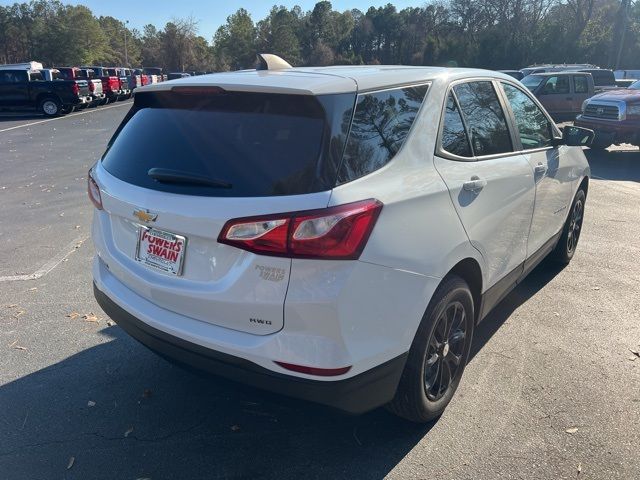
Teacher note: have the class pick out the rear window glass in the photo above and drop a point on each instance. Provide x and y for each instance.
(380, 125)
(260, 144)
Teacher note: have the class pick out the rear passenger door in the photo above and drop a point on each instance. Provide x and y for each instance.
(491, 186)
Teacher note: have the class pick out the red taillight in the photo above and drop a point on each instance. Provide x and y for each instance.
(76, 89)
(321, 372)
(94, 191)
(338, 233)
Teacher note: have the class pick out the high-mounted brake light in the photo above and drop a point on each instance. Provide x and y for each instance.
(94, 191)
(338, 233)
(197, 90)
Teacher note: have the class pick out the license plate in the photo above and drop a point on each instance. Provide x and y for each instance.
(161, 250)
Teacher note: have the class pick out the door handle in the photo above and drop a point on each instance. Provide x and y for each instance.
(540, 168)
(475, 184)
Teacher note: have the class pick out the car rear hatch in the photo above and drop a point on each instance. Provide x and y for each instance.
(97, 86)
(183, 164)
(83, 88)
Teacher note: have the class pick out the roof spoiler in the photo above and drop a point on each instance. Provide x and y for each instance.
(268, 61)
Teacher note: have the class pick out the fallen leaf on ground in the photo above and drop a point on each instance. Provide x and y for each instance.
(72, 315)
(572, 430)
(91, 403)
(19, 312)
(110, 323)
(15, 346)
(635, 352)
(71, 462)
(13, 305)
(596, 288)
(556, 314)
(579, 468)
(90, 317)
(33, 289)
(128, 432)
(235, 428)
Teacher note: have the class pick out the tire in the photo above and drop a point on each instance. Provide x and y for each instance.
(568, 242)
(50, 107)
(423, 393)
(64, 110)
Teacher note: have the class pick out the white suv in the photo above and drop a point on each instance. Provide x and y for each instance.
(332, 233)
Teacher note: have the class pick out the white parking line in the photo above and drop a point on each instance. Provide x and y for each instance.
(51, 264)
(102, 109)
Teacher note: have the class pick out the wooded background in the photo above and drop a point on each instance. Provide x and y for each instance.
(495, 34)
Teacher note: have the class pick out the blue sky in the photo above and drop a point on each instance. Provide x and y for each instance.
(210, 13)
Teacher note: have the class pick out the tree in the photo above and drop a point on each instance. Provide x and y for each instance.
(279, 33)
(234, 43)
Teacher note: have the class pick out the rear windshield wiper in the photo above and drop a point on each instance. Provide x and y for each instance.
(166, 175)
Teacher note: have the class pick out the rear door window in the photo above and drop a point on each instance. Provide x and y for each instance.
(259, 144)
(484, 117)
(580, 83)
(381, 123)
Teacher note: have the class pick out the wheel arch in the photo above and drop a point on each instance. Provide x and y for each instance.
(44, 95)
(584, 185)
(470, 271)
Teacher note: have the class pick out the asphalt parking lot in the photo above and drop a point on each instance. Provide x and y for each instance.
(552, 389)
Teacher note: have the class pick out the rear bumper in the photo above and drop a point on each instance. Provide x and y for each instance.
(355, 395)
(81, 100)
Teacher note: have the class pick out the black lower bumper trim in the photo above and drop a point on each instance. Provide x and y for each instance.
(355, 395)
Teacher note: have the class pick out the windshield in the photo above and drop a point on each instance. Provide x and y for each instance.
(532, 81)
(258, 144)
(635, 85)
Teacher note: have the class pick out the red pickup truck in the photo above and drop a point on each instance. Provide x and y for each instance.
(110, 82)
(614, 116)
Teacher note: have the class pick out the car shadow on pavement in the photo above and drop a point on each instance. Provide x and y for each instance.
(532, 284)
(122, 412)
(614, 164)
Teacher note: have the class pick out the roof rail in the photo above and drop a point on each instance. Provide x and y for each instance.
(268, 61)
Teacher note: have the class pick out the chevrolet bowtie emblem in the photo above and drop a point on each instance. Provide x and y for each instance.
(145, 215)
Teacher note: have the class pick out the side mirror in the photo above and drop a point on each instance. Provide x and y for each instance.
(575, 137)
